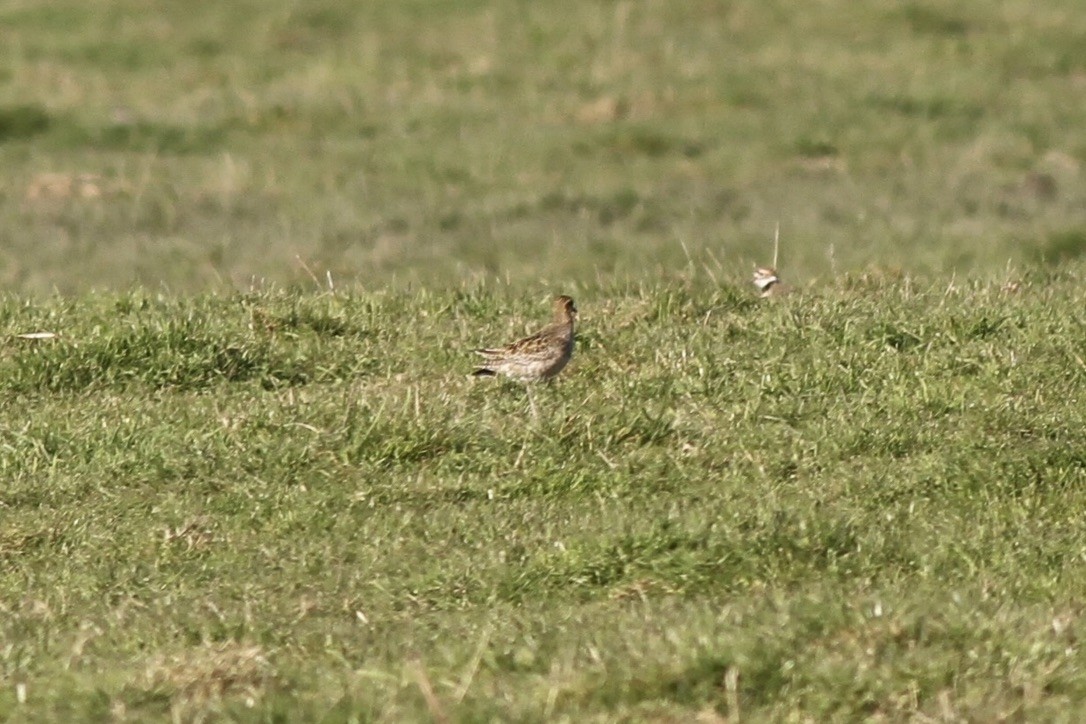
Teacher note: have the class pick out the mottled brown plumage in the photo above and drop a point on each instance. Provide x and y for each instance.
(538, 357)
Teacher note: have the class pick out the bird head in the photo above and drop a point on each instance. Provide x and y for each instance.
(765, 279)
(564, 309)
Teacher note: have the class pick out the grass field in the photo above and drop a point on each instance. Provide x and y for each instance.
(251, 480)
(865, 501)
(433, 140)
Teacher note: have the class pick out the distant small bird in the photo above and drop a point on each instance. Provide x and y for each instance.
(765, 277)
(767, 281)
(538, 357)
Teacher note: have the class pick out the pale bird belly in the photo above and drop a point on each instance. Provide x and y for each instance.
(540, 368)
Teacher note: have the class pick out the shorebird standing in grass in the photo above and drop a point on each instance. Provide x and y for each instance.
(538, 357)
(767, 281)
(765, 277)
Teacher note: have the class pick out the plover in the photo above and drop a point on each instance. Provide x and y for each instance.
(538, 357)
(767, 281)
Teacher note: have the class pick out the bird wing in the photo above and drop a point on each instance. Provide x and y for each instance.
(528, 346)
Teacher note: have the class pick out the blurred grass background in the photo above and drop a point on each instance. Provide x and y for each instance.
(208, 145)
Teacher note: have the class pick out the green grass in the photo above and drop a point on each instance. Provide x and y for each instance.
(429, 141)
(860, 501)
(251, 479)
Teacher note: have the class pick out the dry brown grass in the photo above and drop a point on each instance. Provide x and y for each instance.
(198, 678)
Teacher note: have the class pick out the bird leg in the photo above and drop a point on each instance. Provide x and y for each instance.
(531, 403)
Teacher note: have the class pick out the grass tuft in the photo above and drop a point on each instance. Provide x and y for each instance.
(20, 122)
